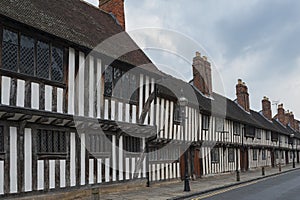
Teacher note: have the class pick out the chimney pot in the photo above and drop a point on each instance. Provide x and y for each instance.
(198, 54)
(204, 58)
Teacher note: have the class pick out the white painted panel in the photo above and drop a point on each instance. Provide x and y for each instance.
(40, 174)
(81, 90)
(171, 170)
(51, 174)
(113, 110)
(13, 160)
(82, 164)
(178, 170)
(99, 87)
(153, 172)
(20, 93)
(157, 116)
(60, 97)
(107, 166)
(127, 170)
(147, 90)
(167, 119)
(121, 158)
(5, 90)
(152, 104)
(120, 111)
(27, 160)
(91, 86)
(132, 167)
(162, 171)
(99, 170)
(71, 82)
(1, 177)
(48, 98)
(72, 159)
(162, 118)
(114, 158)
(171, 120)
(35, 96)
(106, 109)
(141, 94)
(62, 173)
(127, 112)
(158, 171)
(91, 171)
(144, 161)
(174, 170)
(133, 114)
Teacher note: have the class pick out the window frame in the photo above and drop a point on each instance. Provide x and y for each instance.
(51, 154)
(219, 124)
(263, 154)
(255, 154)
(231, 155)
(133, 98)
(236, 128)
(36, 37)
(215, 155)
(205, 122)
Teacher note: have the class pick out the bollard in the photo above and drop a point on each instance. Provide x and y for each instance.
(238, 175)
(263, 171)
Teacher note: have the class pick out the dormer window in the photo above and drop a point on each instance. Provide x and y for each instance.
(236, 128)
(219, 124)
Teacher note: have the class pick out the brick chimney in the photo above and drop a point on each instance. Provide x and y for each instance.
(292, 120)
(287, 118)
(115, 7)
(296, 124)
(202, 74)
(266, 108)
(280, 114)
(242, 95)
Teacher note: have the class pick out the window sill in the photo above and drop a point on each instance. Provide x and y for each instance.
(55, 156)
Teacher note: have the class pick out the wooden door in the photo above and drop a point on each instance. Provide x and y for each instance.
(197, 163)
(244, 161)
(287, 157)
(273, 158)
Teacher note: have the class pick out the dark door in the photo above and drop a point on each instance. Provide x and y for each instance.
(244, 160)
(273, 158)
(197, 163)
(297, 153)
(286, 157)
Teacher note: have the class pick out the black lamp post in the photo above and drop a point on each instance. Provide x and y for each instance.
(292, 136)
(183, 102)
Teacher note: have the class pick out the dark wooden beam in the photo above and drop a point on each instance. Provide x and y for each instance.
(7, 115)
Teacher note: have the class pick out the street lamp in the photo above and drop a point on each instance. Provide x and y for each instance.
(183, 102)
(292, 136)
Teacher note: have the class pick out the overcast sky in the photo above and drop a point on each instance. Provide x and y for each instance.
(257, 41)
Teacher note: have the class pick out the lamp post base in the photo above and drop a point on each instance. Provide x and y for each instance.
(186, 185)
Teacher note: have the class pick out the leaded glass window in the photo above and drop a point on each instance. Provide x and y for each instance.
(230, 155)
(108, 81)
(219, 124)
(49, 141)
(215, 155)
(205, 122)
(27, 55)
(254, 154)
(57, 73)
(236, 128)
(120, 84)
(43, 60)
(263, 154)
(10, 47)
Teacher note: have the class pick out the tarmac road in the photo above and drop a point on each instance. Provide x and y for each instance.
(281, 187)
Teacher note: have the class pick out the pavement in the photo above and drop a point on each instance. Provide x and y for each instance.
(174, 189)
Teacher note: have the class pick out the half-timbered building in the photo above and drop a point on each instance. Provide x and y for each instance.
(81, 104)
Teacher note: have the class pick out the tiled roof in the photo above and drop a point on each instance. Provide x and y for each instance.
(77, 22)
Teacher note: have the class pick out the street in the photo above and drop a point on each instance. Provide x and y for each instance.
(285, 186)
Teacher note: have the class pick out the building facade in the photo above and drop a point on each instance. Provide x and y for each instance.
(73, 114)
